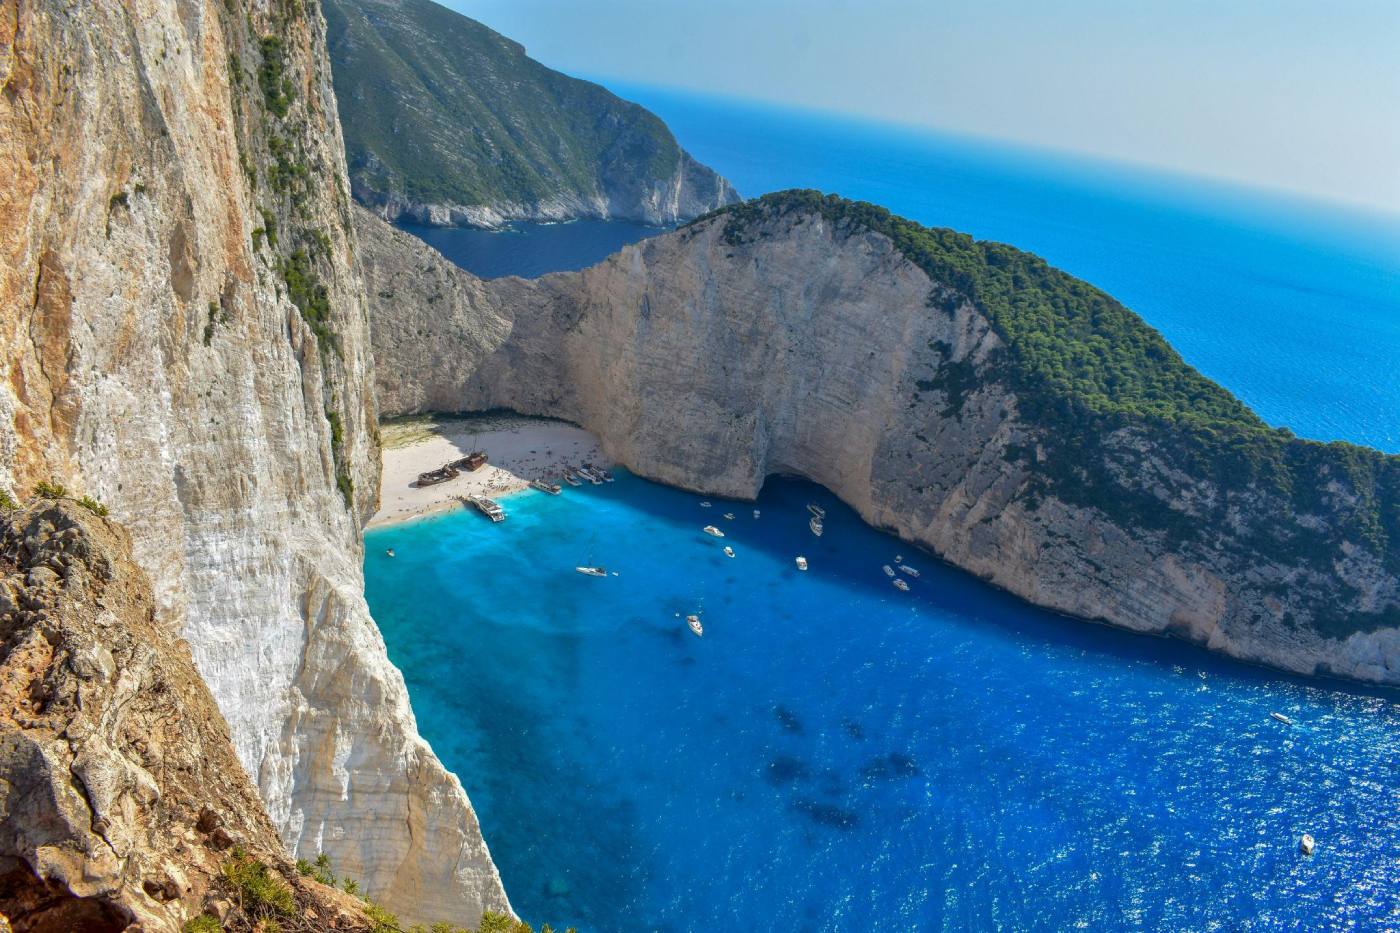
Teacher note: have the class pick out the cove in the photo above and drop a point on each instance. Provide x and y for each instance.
(835, 754)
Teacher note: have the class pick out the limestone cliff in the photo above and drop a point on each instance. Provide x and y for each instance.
(450, 123)
(185, 338)
(1014, 421)
(123, 802)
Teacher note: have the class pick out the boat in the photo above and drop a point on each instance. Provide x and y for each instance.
(486, 507)
(815, 524)
(1307, 844)
(694, 622)
(705, 504)
(571, 479)
(816, 510)
(712, 530)
(729, 515)
(756, 513)
(1282, 718)
(542, 486)
(471, 462)
(441, 475)
(889, 571)
(905, 568)
(728, 551)
(900, 585)
(607, 477)
(390, 552)
(898, 558)
(588, 474)
(592, 571)
(801, 562)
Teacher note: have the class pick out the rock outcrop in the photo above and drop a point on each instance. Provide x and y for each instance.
(793, 337)
(120, 794)
(449, 123)
(185, 338)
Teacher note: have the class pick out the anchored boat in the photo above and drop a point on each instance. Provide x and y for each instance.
(816, 510)
(728, 551)
(694, 622)
(909, 570)
(542, 486)
(712, 530)
(889, 571)
(592, 571)
(900, 585)
(801, 562)
(815, 524)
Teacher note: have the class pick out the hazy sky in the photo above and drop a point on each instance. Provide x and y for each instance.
(1280, 93)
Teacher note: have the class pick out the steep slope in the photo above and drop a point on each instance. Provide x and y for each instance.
(185, 338)
(448, 122)
(1013, 420)
(123, 799)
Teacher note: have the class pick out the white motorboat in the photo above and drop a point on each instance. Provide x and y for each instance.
(607, 477)
(900, 585)
(588, 474)
(898, 558)
(816, 525)
(390, 552)
(592, 571)
(712, 530)
(905, 568)
(728, 551)
(729, 515)
(801, 563)
(889, 571)
(816, 510)
(1282, 718)
(694, 622)
(756, 513)
(571, 479)
(1307, 844)
(705, 504)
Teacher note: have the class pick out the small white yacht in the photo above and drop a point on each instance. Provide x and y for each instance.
(756, 513)
(801, 563)
(729, 515)
(712, 530)
(1307, 844)
(816, 525)
(390, 552)
(816, 510)
(889, 571)
(905, 568)
(728, 551)
(705, 504)
(1282, 718)
(900, 585)
(592, 571)
(694, 622)
(571, 479)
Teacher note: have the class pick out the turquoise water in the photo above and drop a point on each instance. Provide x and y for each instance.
(836, 755)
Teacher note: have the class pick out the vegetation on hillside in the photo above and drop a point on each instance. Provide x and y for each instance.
(438, 108)
(1091, 375)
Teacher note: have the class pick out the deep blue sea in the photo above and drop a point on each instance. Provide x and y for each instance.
(531, 250)
(837, 755)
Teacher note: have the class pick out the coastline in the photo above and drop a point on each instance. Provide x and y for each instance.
(518, 449)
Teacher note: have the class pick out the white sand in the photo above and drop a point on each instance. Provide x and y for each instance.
(517, 449)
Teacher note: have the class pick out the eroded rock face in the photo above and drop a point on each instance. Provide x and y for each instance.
(185, 338)
(119, 786)
(710, 363)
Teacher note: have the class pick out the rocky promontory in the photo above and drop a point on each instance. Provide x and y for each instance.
(1011, 419)
(449, 123)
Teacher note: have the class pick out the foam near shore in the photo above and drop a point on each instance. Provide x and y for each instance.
(518, 449)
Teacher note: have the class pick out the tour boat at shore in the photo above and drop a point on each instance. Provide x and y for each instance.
(571, 479)
(542, 486)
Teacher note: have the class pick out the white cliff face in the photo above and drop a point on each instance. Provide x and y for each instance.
(154, 358)
(710, 364)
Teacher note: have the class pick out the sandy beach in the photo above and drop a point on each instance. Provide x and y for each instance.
(518, 449)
